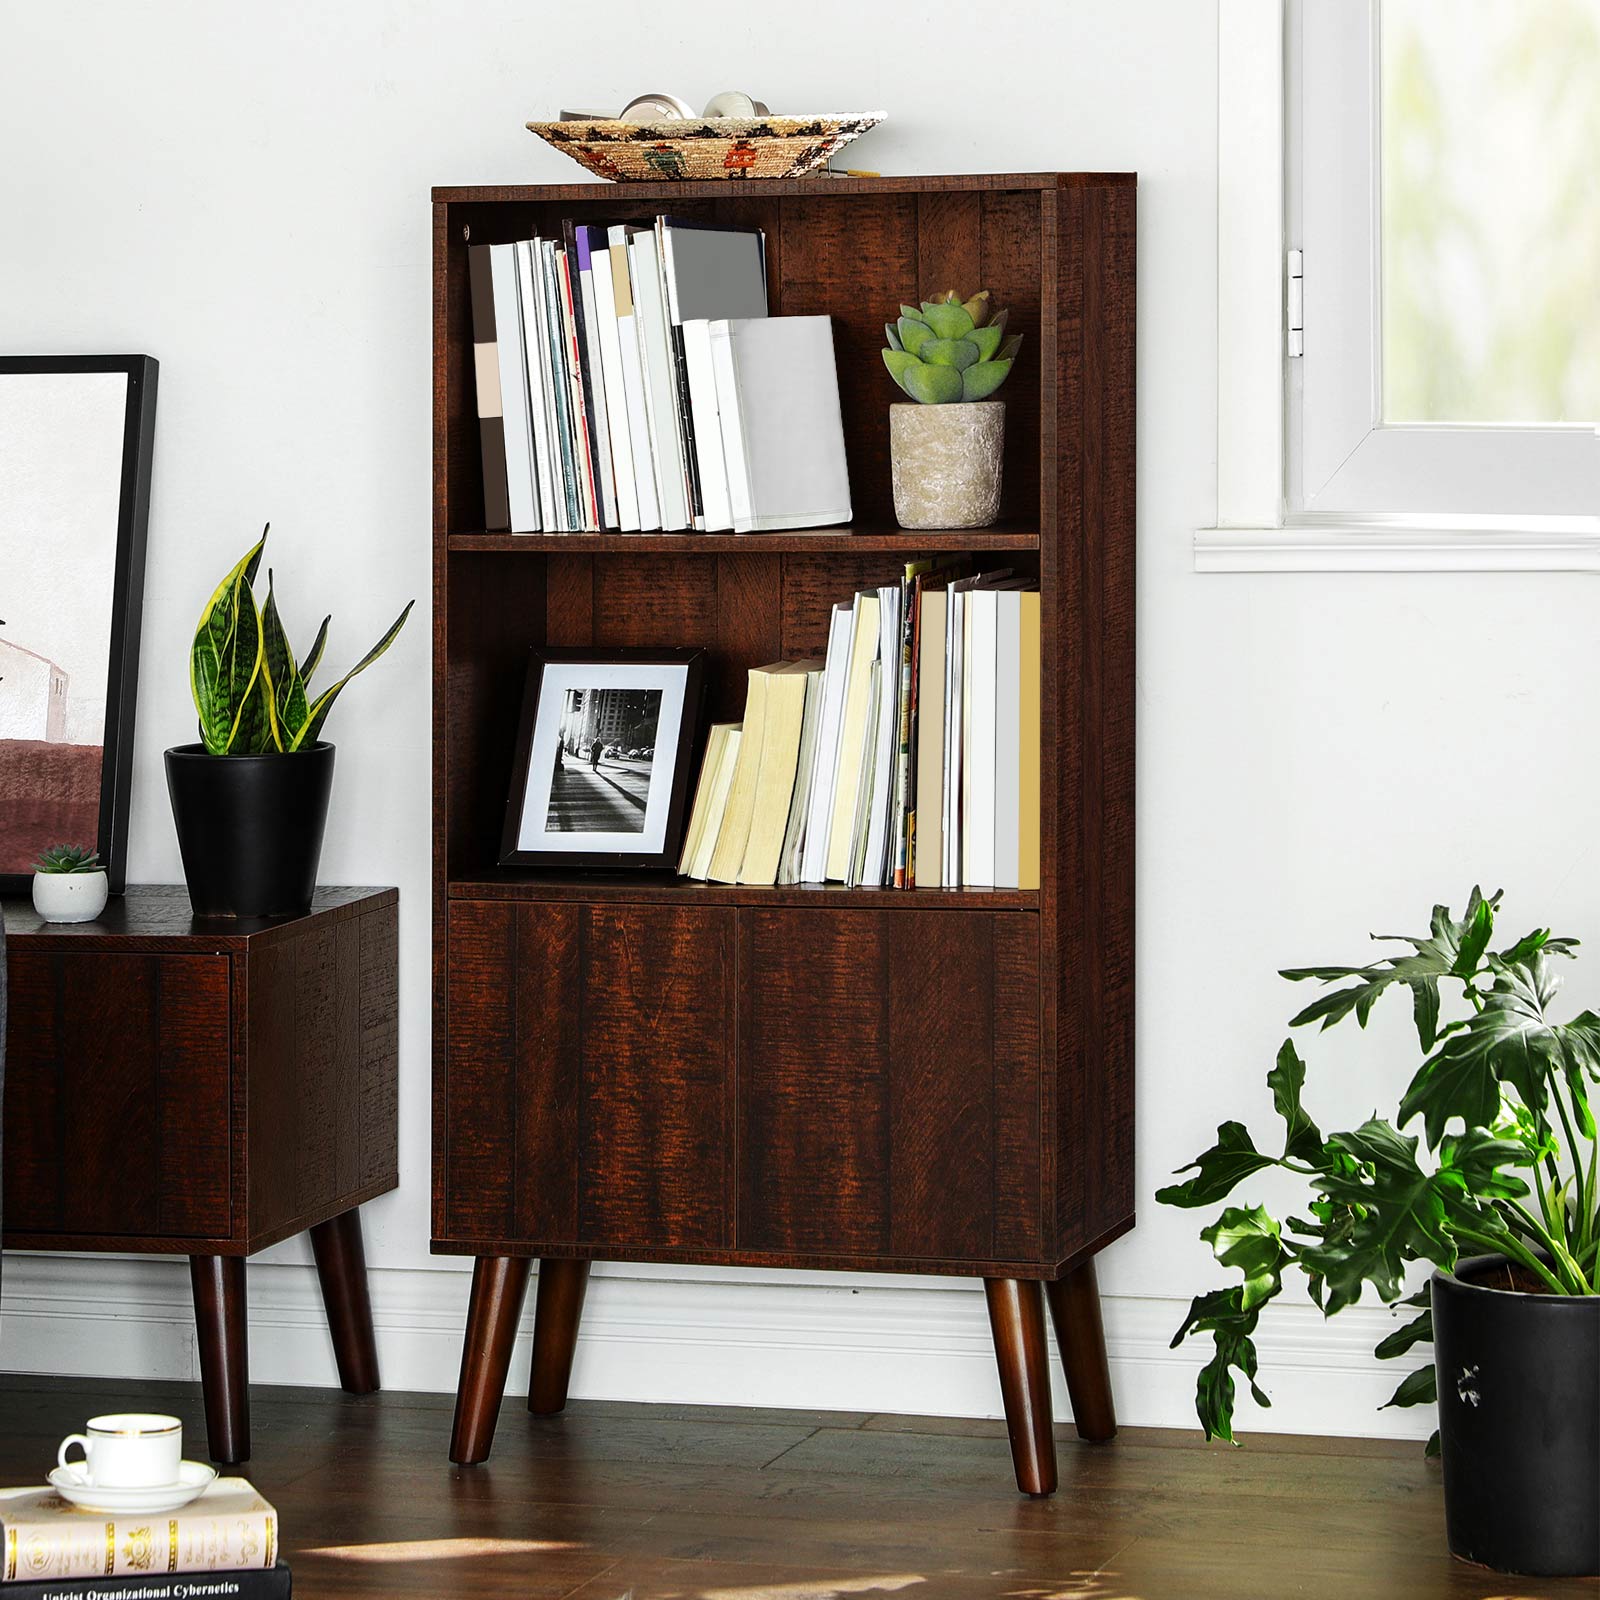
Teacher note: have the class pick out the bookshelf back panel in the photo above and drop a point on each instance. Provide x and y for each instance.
(854, 257)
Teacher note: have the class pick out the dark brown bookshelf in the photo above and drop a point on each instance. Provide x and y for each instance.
(640, 1067)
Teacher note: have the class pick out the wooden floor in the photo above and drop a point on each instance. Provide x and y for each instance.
(673, 1502)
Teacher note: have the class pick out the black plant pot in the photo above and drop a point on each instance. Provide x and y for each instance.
(1519, 1424)
(250, 828)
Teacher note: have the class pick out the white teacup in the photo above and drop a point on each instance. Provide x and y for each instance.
(129, 1450)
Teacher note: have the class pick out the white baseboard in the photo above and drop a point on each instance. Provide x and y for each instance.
(699, 1336)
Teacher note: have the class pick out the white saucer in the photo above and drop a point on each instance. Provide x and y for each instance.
(193, 1476)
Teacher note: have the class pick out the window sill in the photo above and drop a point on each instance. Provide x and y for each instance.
(1567, 544)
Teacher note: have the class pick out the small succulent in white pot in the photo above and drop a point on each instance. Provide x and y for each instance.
(69, 884)
(946, 450)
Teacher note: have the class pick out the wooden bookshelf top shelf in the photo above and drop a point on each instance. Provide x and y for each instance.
(796, 541)
(662, 888)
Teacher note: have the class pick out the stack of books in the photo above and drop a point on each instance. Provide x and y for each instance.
(228, 1533)
(908, 758)
(630, 380)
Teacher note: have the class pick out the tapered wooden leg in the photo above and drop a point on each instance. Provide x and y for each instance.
(1075, 1311)
(562, 1285)
(499, 1284)
(1016, 1316)
(342, 1272)
(222, 1323)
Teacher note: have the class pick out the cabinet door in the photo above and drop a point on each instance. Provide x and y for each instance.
(889, 1083)
(590, 1075)
(117, 1095)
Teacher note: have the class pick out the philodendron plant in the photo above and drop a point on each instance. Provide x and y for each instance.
(1506, 1164)
(252, 696)
(952, 349)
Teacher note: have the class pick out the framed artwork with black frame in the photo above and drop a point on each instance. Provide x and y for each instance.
(601, 772)
(76, 440)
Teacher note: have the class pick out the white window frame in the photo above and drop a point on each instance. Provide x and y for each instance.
(1263, 451)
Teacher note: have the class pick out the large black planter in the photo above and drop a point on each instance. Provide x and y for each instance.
(250, 828)
(1519, 1424)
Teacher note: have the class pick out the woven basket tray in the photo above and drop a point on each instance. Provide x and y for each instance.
(707, 147)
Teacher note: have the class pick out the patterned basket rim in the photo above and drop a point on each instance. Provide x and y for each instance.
(706, 127)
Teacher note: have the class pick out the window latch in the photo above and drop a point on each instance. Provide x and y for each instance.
(1295, 302)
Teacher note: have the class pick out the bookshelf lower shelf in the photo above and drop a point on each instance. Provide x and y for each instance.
(824, 541)
(643, 889)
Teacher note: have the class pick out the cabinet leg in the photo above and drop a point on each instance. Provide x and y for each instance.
(562, 1285)
(1075, 1311)
(342, 1272)
(499, 1284)
(221, 1321)
(1016, 1316)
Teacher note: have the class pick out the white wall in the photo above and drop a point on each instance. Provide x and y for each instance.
(242, 190)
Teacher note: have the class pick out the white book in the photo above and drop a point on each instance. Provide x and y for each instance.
(825, 759)
(877, 867)
(955, 637)
(541, 386)
(782, 431)
(644, 474)
(805, 773)
(561, 388)
(582, 270)
(978, 822)
(660, 381)
(861, 821)
(1008, 738)
(520, 491)
(707, 430)
(616, 406)
(856, 731)
(929, 864)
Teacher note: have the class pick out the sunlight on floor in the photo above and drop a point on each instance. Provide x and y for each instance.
(440, 1549)
(817, 1589)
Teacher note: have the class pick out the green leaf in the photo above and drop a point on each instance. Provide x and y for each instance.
(1222, 1314)
(932, 386)
(892, 334)
(314, 654)
(1431, 1449)
(957, 353)
(987, 340)
(225, 660)
(1425, 1012)
(947, 320)
(981, 381)
(899, 362)
(1219, 1170)
(323, 704)
(1249, 1241)
(912, 314)
(1302, 1141)
(1457, 1082)
(1418, 1331)
(914, 333)
(1418, 1388)
(1008, 347)
(286, 691)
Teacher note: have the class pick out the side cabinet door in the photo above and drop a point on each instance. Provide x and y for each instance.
(889, 1084)
(589, 1096)
(117, 1095)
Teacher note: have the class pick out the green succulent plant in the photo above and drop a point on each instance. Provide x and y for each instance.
(952, 349)
(251, 694)
(61, 858)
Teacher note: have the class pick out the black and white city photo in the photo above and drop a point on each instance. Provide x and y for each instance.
(604, 759)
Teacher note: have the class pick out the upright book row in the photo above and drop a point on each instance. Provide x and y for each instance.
(629, 379)
(907, 759)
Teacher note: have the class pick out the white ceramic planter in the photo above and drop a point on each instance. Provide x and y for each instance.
(69, 896)
(946, 462)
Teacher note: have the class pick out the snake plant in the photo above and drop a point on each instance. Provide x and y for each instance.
(252, 696)
(951, 349)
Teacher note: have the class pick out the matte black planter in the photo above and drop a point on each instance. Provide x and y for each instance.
(250, 828)
(1519, 1424)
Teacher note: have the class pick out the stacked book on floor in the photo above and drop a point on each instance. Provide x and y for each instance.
(908, 758)
(224, 1543)
(630, 380)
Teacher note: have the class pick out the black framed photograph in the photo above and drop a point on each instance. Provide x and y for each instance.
(601, 772)
(76, 438)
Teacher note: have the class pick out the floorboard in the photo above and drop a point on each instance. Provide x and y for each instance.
(693, 1503)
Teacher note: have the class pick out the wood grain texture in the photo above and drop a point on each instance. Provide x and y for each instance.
(562, 1287)
(1080, 1335)
(499, 1285)
(1016, 1319)
(222, 1334)
(341, 1258)
(549, 1069)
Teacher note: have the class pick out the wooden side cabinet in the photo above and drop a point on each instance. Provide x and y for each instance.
(207, 1089)
(635, 1067)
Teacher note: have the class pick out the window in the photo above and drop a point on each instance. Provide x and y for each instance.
(1443, 189)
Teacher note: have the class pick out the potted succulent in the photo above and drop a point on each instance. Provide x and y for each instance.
(251, 797)
(69, 884)
(946, 449)
(1501, 1197)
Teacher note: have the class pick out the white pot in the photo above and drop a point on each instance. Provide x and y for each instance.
(69, 896)
(946, 462)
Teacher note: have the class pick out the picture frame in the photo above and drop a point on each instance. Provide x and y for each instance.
(601, 771)
(74, 513)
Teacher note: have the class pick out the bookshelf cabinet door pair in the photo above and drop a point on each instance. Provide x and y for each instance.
(939, 1081)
